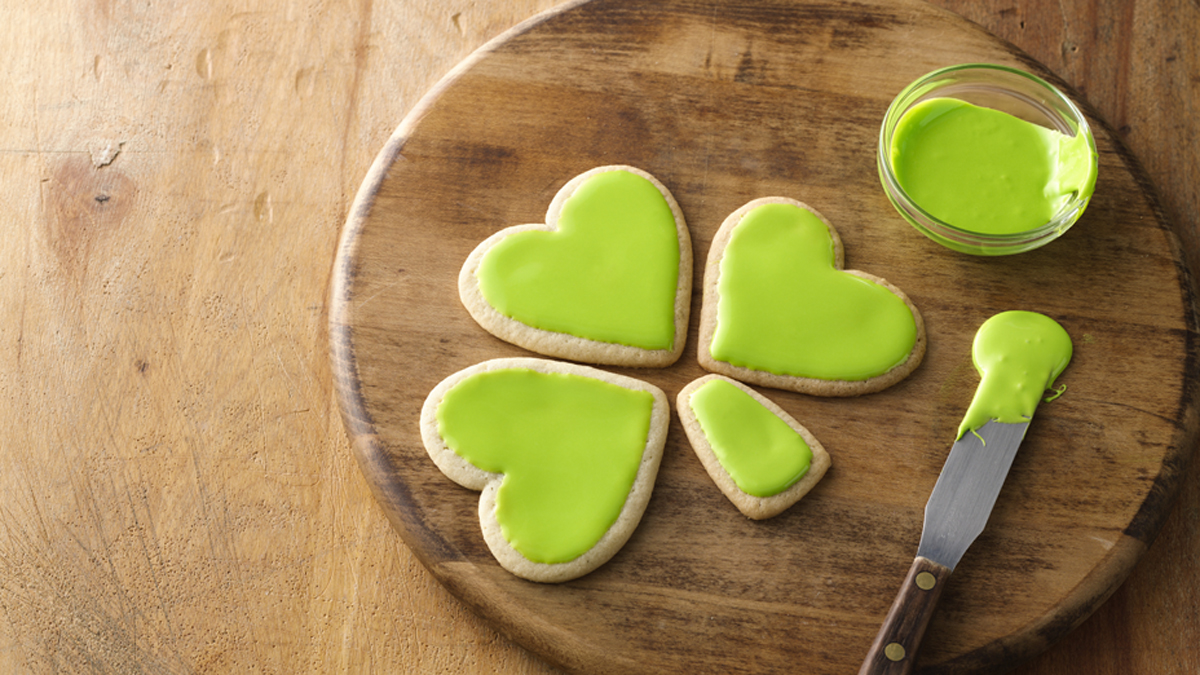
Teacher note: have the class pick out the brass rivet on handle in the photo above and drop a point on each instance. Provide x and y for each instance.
(894, 651)
(926, 581)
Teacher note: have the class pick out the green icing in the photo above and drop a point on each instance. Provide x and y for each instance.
(785, 308)
(608, 273)
(1018, 356)
(763, 455)
(569, 447)
(986, 171)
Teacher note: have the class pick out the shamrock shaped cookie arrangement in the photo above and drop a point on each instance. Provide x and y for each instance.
(566, 455)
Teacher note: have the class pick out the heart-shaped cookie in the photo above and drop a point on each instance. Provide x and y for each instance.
(758, 455)
(780, 311)
(606, 279)
(565, 455)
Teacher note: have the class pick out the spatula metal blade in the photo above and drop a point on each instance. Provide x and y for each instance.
(965, 492)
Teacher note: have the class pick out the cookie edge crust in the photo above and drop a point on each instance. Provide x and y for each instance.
(565, 345)
(756, 508)
(803, 385)
(467, 475)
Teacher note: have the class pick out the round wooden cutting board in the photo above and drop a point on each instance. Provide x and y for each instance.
(725, 102)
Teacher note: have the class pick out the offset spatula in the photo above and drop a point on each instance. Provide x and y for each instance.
(1018, 355)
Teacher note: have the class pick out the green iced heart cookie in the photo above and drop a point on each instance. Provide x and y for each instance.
(782, 307)
(604, 280)
(564, 444)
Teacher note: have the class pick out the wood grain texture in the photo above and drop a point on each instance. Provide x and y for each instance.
(1138, 64)
(724, 107)
(178, 492)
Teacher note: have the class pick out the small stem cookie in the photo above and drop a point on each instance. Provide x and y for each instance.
(758, 455)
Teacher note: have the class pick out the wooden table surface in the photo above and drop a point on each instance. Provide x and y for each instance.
(177, 493)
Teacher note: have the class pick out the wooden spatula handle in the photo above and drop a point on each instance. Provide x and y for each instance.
(895, 647)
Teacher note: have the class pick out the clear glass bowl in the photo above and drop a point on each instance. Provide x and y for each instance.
(1001, 88)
